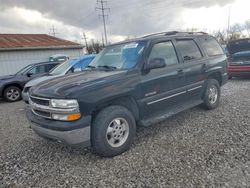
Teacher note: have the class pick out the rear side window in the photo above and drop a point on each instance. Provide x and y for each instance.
(189, 49)
(211, 46)
(164, 50)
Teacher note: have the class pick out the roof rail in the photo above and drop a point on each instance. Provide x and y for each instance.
(174, 33)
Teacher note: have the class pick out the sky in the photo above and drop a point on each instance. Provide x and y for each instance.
(127, 18)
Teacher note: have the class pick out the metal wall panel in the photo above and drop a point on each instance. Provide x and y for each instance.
(13, 61)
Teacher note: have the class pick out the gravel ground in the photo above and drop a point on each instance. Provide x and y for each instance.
(195, 148)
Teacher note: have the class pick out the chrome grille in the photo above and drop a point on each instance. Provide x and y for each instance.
(40, 101)
(41, 107)
(42, 113)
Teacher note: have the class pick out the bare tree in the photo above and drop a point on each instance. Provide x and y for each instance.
(247, 27)
(221, 36)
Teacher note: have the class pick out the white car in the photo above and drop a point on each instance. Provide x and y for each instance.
(69, 66)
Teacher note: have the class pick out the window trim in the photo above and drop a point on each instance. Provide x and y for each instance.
(199, 48)
(210, 38)
(162, 41)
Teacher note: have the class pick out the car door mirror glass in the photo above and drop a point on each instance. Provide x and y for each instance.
(156, 63)
(29, 74)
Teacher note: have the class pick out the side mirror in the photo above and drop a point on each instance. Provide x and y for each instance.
(156, 63)
(29, 74)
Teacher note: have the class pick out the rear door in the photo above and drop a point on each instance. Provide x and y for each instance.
(162, 88)
(194, 67)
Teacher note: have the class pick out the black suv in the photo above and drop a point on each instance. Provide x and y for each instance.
(11, 85)
(137, 82)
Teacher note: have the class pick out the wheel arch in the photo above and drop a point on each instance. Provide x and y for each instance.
(216, 75)
(125, 101)
(11, 84)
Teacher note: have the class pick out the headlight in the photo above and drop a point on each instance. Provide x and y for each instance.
(61, 103)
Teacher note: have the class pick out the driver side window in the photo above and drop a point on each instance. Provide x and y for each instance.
(38, 69)
(166, 51)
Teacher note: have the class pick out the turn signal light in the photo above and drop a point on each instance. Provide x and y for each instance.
(73, 117)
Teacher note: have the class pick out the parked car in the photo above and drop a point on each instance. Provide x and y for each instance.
(59, 57)
(74, 65)
(137, 82)
(11, 85)
(239, 58)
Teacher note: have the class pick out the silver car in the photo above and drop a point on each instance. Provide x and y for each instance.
(69, 66)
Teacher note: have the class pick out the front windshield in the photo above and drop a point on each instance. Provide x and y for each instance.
(121, 56)
(61, 68)
(24, 70)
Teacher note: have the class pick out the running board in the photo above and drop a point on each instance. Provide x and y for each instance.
(175, 110)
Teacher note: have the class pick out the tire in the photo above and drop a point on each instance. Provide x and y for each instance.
(212, 94)
(230, 77)
(12, 94)
(110, 125)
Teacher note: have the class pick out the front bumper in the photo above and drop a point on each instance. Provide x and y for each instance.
(25, 96)
(76, 132)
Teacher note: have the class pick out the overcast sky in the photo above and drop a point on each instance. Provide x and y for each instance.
(126, 17)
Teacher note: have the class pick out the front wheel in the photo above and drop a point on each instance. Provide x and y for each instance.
(212, 94)
(113, 131)
(12, 94)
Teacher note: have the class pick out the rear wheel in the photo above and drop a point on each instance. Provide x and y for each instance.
(212, 94)
(113, 131)
(12, 94)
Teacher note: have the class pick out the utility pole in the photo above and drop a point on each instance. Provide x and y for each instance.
(53, 31)
(102, 6)
(228, 21)
(102, 40)
(85, 39)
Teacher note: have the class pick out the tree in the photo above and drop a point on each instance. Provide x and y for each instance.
(95, 47)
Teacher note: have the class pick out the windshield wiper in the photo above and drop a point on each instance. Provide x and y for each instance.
(107, 67)
(91, 67)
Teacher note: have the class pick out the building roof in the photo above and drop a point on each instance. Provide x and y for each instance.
(33, 41)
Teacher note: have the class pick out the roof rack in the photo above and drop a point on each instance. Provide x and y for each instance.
(174, 33)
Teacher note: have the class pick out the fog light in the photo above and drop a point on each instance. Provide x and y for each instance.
(68, 117)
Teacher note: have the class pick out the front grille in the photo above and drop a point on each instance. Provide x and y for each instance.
(42, 114)
(40, 101)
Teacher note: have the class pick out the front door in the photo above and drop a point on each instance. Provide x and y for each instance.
(162, 88)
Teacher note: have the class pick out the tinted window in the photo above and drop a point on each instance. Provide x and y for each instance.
(189, 49)
(211, 46)
(166, 51)
(48, 67)
(38, 69)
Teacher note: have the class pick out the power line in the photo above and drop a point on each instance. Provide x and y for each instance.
(102, 6)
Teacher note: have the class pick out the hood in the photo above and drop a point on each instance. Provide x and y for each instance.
(6, 77)
(39, 80)
(238, 46)
(63, 86)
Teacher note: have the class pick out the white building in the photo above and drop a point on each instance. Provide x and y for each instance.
(19, 50)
